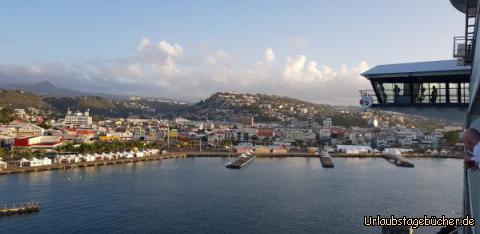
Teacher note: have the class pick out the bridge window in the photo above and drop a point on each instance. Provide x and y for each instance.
(421, 93)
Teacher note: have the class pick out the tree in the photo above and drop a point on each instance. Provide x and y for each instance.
(2, 152)
(452, 137)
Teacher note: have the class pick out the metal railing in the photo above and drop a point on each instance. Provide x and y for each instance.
(463, 47)
(369, 93)
(454, 95)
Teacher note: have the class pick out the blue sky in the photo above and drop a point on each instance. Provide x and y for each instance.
(91, 42)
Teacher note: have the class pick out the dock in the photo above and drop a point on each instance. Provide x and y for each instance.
(240, 162)
(398, 161)
(22, 208)
(97, 163)
(326, 160)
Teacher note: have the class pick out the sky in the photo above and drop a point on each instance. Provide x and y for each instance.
(312, 50)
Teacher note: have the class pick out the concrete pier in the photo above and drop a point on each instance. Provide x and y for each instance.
(326, 161)
(22, 208)
(65, 166)
(240, 162)
(398, 161)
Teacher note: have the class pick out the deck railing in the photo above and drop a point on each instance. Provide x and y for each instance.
(463, 47)
(444, 96)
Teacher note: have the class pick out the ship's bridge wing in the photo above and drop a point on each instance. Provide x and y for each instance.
(435, 88)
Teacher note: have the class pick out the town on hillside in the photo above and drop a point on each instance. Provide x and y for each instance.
(34, 136)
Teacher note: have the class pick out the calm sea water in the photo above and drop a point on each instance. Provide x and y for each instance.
(200, 195)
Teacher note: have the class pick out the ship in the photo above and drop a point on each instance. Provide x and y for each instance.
(447, 89)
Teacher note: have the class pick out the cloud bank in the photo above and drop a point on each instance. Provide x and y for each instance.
(166, 69)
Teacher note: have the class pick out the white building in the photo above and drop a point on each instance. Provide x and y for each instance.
(21, 130)
(354, 149)
(135, 98)
(78, 119)
(35, 162)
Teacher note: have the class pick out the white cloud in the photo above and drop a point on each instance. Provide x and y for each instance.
(135, 69)
(298, 70)
(166, 69)
(269, 55)
(169, 49)
(219, 57)
(144, 43)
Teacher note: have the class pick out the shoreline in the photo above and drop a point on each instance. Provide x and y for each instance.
(175, 155)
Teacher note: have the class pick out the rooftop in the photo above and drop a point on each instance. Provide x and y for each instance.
(431, 68)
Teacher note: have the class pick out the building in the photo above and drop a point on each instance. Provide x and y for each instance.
(327, 123)
(135, 98)
(354, 149)
(271, 149)
(21, 130)
(78, 119)
(21, 113)
(39, 142)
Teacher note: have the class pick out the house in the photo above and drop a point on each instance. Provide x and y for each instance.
(265, 133)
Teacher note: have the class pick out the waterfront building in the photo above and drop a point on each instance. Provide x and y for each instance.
(354, 149)
(39, 142)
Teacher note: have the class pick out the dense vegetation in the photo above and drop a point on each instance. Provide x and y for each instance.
(20, 99)
(6, 115)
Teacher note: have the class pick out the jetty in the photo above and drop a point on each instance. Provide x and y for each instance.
(97, 163)
(22, 208)
(326, 160)
(241, 161)
(394, 156)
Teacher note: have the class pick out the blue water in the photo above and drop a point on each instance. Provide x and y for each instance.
(200, 195)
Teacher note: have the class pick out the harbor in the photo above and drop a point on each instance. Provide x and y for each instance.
(22, 208)
(327, 162)
(169, 185)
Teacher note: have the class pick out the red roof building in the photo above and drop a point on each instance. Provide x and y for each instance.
(39, 141)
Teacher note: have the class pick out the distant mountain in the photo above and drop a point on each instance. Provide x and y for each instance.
(45, 88)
